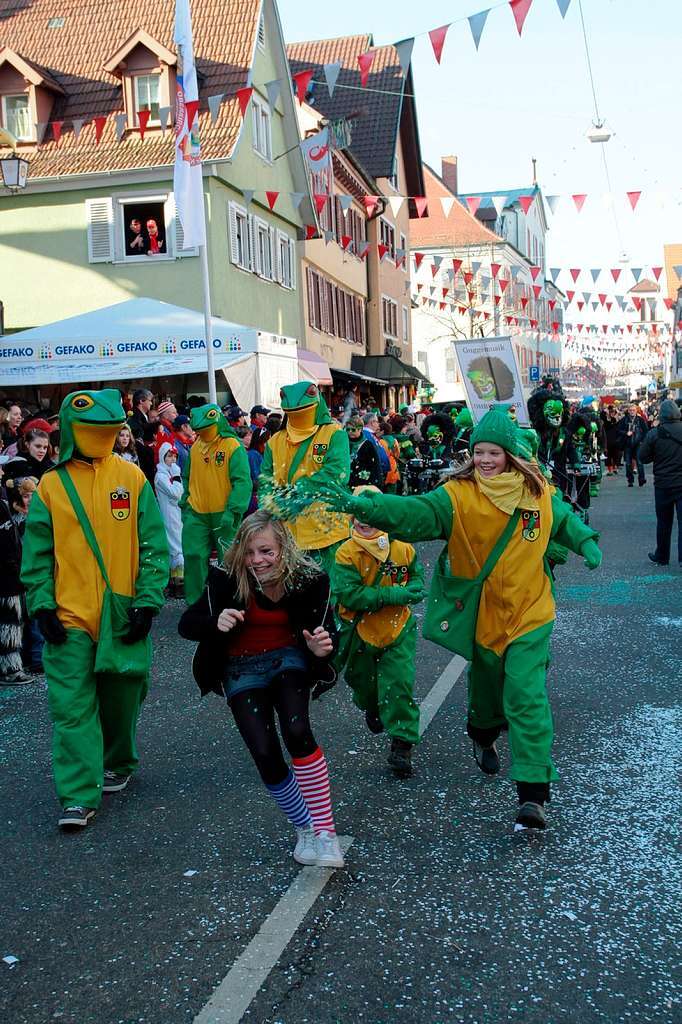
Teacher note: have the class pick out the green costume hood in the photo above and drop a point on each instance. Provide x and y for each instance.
(210, 415)
(302, 395)
(96, 407)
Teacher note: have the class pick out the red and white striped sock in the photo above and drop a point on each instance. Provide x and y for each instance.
(313, 781)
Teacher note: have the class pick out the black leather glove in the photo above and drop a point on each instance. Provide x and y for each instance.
(322, 685)
(50, 626)
(140, 623)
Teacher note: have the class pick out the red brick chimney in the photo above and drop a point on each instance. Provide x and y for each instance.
(449, 172)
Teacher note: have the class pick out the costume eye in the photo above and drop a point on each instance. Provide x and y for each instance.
(211, 414)
(82, 402)
(312, 391)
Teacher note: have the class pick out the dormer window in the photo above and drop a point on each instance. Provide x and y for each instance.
(16, 117)
(147, 96)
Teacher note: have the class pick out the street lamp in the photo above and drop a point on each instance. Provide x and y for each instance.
(14, 170)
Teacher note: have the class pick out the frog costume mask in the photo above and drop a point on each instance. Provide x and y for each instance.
(309, 452)
(94, 714)
(216, 494)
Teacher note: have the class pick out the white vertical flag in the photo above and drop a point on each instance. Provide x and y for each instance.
(187, 181)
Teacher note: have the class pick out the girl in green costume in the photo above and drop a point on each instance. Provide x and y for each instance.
(496, 492)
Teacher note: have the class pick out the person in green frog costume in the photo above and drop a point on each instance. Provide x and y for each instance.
(310, 451)
(217, 490)
(94, 712)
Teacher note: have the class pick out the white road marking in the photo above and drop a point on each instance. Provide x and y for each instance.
(439, 691)
(241, 984)
(239, 987)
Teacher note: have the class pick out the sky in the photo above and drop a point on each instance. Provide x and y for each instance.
(519, 98)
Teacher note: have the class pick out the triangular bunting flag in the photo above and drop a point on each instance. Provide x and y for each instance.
(579, 200)
(636, 273)
(534, 271)
(370, 203)
(608, 306)
(520, 9)
(477, 24)
(595, 306)
(331, 74)
(164, 115)
(248, 194)
(272, 198)
(143, 118)
(587, 296)
(296, 199)
(243, 97)
(473, 202)
(99, 123)
(554, 273)
(515, 271)
(395, 202)
(499, 202)
(595, 272)
(437, 37)
(525, 202)
(214, 106)
(310, 232)
(447, 202)
(656, 271)
(434, 269)
(563, 6)
(418, 257)
(575, 274)
(580, 305)
(345, 202)
(615, 274)
(475, 266)
(365, 61)
(328, 237)
(553, 202)
(58, 125)
(120, 121)
(634, 198)
(421, 203)
(301, 82)
(404, 50)
(363, 250)
(382, 250)
(437, 260)
(537, 288)
(456, 264)
(320, 199)
(569, 295)
(602, 297)
(504, 284)
(524, 302)
(274, 91)
(78, 123)
(345, 241)
(495, 269)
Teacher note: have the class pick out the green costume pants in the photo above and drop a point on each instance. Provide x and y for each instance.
(382, 680)
(94, 720)
(512, 689)
(200, 536)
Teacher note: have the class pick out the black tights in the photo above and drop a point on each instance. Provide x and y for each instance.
(254, 712)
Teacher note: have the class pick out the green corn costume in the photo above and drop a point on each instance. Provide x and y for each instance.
(94, 713)
(216, 494)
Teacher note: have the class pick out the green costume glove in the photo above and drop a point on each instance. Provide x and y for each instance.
(340, 499)
(591, 553)
(398, 596)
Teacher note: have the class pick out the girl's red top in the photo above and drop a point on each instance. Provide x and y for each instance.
(263, 629)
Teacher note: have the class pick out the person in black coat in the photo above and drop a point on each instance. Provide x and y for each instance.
(266, 637)
(12, 610)
(663, 447)
(633, 429)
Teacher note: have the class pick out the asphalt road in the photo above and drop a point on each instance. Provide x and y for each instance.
(443, 914)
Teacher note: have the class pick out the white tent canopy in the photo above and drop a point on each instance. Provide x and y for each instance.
(138, 338)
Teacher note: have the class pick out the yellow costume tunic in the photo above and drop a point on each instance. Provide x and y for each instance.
(210, 485)
(382, 626)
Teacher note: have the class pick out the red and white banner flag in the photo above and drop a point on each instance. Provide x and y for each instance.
(187, 181)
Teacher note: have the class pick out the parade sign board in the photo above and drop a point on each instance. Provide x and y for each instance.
(491, 376)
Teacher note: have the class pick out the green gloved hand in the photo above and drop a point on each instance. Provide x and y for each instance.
(339, 499)
(591, 553)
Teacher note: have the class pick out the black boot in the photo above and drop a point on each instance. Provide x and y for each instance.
(487, 758)
(374, 723)
(532, 798)
(400, 757)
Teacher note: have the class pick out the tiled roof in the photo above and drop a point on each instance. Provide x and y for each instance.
(224, 39)
(458, 228)
(375, 133)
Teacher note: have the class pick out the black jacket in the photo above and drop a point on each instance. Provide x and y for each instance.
(663, 447)
(638, 426)
(25, 465)
(10, 554)
(307, 605)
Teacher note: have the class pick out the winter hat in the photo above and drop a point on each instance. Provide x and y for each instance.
(163, 451)
(164, 408)
(670, 411)
(497, 428)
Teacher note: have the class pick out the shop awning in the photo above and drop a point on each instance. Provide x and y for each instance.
(312, 367)
(389, 368)
(352, 375)
(111, 369)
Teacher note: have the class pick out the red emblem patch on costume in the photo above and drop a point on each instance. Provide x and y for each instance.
(119, 501)
(530, 521)
(220, 458)
(319, 452)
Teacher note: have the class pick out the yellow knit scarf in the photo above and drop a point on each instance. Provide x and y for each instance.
(507, 491)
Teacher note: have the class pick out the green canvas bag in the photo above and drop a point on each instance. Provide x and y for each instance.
(112, 656)
(452, 608)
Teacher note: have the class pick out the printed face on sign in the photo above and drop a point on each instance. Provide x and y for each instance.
(119, 501)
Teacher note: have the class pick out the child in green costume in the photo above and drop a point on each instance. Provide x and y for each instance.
(217, 491)
(94, 712)
(496, 492)
(375, 582)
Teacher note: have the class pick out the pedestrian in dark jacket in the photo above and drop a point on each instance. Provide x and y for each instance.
(13, 620)
(663, 447)
(633, 429)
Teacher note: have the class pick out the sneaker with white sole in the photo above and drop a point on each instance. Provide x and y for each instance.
(329, 853)
(305, 851)
(75, 817)
(114, 783)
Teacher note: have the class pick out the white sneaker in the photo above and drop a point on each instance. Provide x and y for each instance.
(329, 853)
(305, 851)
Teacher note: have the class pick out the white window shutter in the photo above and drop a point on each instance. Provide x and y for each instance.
(292, 263)
(232, 232)
(173, 219)
(279, 238)
(254, 256)
(100, 218)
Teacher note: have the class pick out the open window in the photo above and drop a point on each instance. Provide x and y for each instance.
(134, 228)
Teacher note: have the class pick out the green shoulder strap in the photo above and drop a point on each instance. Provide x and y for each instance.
(82, 517)
(502, 541)
(301, 453)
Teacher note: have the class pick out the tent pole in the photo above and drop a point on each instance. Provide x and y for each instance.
(208, 330)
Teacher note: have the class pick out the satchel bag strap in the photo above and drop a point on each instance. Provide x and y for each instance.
(82, 517)
(502, 541)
